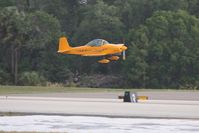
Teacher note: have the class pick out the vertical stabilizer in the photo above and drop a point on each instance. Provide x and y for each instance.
(63, 45)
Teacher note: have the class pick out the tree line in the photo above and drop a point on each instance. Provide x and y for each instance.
(162, 38)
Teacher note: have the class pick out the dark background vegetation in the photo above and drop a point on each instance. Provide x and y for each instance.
(162, 38)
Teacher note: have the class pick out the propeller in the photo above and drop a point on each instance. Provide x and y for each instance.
(124, 55)
(123, 52)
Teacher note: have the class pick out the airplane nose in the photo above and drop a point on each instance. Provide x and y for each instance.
(124, 48)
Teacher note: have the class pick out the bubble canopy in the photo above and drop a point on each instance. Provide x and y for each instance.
(97, 42)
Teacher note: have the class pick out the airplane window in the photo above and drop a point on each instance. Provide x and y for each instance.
(97, 42)
(105, 42)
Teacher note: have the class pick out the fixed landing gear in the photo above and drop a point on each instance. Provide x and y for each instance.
(104, 61)
(111, 58)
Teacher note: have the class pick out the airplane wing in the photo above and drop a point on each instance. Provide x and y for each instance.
(93, 54)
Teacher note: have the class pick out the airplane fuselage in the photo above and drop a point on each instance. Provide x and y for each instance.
(96, 50)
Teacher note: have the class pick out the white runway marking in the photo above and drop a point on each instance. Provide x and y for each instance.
(81, 124)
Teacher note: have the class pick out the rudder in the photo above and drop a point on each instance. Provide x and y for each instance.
(63, 45)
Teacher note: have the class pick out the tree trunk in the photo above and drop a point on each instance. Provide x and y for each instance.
(28, 4)
(12, 63)
(12, 60)
(16, 67)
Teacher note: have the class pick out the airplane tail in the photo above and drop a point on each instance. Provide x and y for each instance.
(63, 45)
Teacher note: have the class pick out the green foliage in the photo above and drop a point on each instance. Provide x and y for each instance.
(135, 67)
(171, 46)
(22, 32)
(55, 68)
(100, 21)
(6, 3)
(44, 28)
(5, 77)
(31, 79)
(13, 26)
(162, 38)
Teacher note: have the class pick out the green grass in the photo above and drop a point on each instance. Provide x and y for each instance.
(41, 89)
(49, 89)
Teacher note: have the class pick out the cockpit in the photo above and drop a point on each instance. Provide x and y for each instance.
(97, 42)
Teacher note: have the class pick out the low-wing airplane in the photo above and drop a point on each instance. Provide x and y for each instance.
(97, 47)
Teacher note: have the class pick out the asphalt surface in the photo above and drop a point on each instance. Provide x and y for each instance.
(161, 95)
(111, 107)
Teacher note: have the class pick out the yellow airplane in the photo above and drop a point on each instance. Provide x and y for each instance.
(97, 47)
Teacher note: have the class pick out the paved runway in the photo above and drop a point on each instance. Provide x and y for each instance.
(100, 107)
(157, 95)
